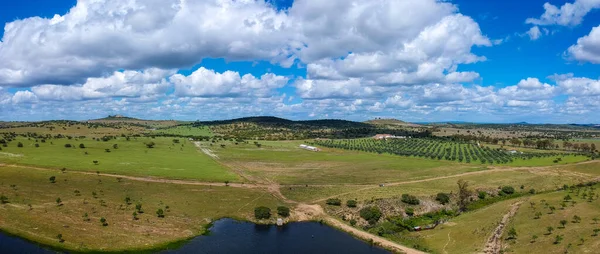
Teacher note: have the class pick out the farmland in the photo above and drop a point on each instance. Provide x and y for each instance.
(53, 173)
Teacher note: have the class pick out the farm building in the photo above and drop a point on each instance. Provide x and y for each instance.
(310, 148)
(386, 136)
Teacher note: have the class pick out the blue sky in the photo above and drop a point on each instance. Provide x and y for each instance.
(482, 61)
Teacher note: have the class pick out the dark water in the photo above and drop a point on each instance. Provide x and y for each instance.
(230, 236)
(11, 244)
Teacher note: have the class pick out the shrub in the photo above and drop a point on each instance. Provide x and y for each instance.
(512, 233)
(115, 146)
(37, 145)
(334, 201)
(52, 179)
(103, 222)
(283, 211)
(68, 146)
(481, 194)
(262, 212)
(60, 238)
(160, 213)
(532, 191)
(508, 190)
(3, 199)
(410, 199)
(443, 198)
(351, 203)
(82, 146)
(371, 214)
(150, 144)
(19, 144)
(352, 222)
(410, 211)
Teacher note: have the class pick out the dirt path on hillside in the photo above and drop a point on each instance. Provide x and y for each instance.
(494, 243)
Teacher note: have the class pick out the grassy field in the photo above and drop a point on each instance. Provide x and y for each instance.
(527, 226)
(167, 159)
(186, 131)
(284, 162)
(32, 211)
(547, 161)
(466, 233)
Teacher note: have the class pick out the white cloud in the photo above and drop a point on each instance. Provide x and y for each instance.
(534, 33)
(146, 83)
(208, 83)
(587, 48)
(569, 14)
(530, 89)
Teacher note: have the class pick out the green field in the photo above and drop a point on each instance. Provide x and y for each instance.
(167, 159)
(185, 131)
(191, 208)
(286, 163)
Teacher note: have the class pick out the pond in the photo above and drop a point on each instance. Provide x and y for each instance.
(231, 236)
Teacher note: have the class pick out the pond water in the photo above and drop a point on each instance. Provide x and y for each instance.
(231, 236)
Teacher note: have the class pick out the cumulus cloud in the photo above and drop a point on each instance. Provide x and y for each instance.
(587, 48)
(534, 33)
(208, 83)
(147, 83)
(100, 36)
(569, 14)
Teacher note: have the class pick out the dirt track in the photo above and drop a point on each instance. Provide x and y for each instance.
(494, 243)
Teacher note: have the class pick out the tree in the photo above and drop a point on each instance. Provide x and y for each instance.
(95, 162)
(160, 213)
(103, 222)
(409, 211)
(410, 199)
(82, 146)
(19, 144)
(60, 238)
(512, 233)
(508, 190)
(549, 229)
(351, 203)
(86, 217)
(150, 144)
(596, 230)
(443, 198)
(115, 146)
(552, 208)
(58, 202)
(135, 214)
(558, 239)
(52, 179)
(68, 146)
(463, 194)
(262, 212)
(226, 183)
(595, 219)
(538, 215)
(128, 200)
(372, 214)
(481, 194)
(334, 201)
(576, 219)
(3, 199)
(283, 211)
(563, 223)
(534, 238)
(138, 208)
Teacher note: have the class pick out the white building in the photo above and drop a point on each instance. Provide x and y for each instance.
(310, 148)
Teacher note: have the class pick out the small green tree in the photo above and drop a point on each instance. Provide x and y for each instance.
(115, 146)
(549, 229)
(3, 199)
(128, 200)
(334, 201)
(138, 208)
(508, 190)
(135, 214)
(58, 202)
(103, 222)
(19, 144)
(82, 146)
(596, 230)
(534, 238)
(86, 217)
(512, 233)
(409, 211)
(481, 194)
(52, 179)
(442, 198)
(563, 223)
(351, 203)
(283, 211)
(60, 238)
(372, 214)
(160, 213)
(576, 219)
(558, 239)
(410, 199)
(262, 212)
(595, 219)
(552, 208)
(538, 215)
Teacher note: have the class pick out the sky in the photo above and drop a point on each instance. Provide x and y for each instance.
(414, 60)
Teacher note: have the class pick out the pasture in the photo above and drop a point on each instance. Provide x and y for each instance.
(32, 211)
(167, 159)
(184, 130)
(285, 163)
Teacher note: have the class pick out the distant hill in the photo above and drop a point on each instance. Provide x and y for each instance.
(112, 119)
(281, 122)
(392, 122)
